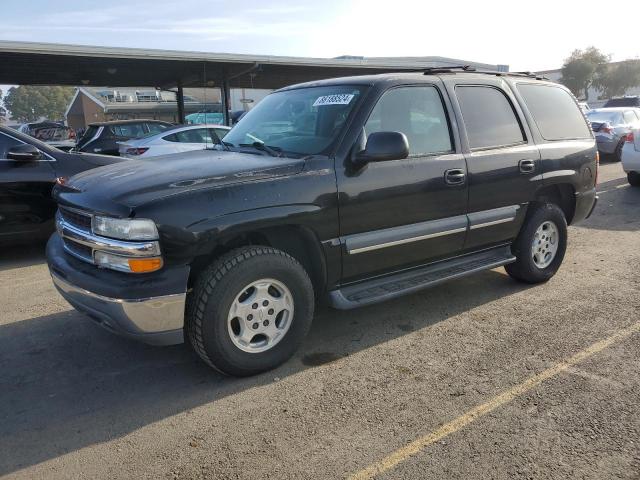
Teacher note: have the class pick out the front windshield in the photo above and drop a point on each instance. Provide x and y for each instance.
(304, 121)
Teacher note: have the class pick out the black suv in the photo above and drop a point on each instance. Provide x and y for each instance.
(628, 101)
(352, 190)
(103, 137)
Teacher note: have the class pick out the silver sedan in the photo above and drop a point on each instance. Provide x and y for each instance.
(611, 127)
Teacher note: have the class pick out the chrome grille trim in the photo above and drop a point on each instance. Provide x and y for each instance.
(72, 234)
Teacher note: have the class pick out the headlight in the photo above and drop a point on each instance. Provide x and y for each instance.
(127, 264)
(125, 228)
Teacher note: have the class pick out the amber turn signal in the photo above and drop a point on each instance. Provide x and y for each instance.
(143, 265)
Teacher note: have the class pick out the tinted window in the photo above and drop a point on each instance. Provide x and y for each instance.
(156, 127)
(128, 130)
(555, 112)
(418, 113)
(488, 117)
(6, 143)
(623, 102)
(198, 135)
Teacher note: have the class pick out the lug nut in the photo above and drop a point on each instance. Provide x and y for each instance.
(256, 325)
(249, 317)
(254, 306)
(265, 303)
(265, 323)
(271, 310)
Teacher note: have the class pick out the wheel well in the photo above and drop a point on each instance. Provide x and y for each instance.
(563, 195)
(299, 242)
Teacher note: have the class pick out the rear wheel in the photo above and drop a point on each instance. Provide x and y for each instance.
(250, 310)
(617, 153)
(634, 179)
(540, 246)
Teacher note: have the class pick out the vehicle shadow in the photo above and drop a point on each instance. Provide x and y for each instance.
(66, 384)
(23, 255)
(617, 208)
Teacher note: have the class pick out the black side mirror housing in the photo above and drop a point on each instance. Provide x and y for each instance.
(384, 146)
(24, 153)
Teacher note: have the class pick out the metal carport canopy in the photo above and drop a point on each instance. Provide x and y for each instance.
(28, 63)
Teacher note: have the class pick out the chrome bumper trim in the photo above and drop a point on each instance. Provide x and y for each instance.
(138, 316)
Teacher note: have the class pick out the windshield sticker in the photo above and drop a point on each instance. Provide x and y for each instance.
(339, 99)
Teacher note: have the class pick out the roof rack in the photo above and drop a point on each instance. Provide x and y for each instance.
(471, 69)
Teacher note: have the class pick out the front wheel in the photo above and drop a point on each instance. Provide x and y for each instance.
(634, 179)
(250, 310)
(540, 246)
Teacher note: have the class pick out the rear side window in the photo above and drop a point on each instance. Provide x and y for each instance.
(198, 135)
(555, 112)
(489, 117)
(418, 113)
(630, 117)
(128, 130)
(157, 127)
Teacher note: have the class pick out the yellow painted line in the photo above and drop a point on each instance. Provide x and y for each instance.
(392, 460)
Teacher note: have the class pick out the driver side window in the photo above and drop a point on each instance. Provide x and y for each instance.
(417, 112)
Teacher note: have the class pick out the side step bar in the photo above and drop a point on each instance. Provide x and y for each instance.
(398, 284)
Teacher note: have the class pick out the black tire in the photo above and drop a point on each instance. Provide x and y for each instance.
(216, 289)
(617, 153)
(524, 268)
(634, 179)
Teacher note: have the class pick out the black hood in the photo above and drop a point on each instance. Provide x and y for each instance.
(135, 182)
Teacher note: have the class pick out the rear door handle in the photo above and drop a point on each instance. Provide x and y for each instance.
(454, 176)
(527, 166)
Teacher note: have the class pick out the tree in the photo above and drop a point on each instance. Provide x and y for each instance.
(582, 69)
(29, 103)
(615, 80)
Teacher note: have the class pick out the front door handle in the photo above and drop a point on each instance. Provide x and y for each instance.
(454, 176)
(526, 166)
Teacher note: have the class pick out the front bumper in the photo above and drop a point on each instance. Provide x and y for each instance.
(148, 308)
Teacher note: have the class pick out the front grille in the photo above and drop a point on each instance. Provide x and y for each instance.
(77, 249)
(76, 218)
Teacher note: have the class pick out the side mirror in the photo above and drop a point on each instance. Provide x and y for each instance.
(24, 153)
(383, 146)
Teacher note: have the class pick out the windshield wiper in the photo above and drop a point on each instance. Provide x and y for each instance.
(273, 151)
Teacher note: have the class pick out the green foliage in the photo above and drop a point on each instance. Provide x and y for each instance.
(582, 69)
(617, 79)
(29, 103)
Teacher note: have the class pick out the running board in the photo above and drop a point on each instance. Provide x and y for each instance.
(395, 285)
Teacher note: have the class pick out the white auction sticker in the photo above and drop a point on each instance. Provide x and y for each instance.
(338, 99)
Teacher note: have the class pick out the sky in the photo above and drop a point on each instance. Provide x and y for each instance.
(533, 35)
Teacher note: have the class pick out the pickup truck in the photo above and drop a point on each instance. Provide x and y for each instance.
(349, 191)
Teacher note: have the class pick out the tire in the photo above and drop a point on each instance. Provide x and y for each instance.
(219, 340)
(634, 179)
(617, 153)
(531, 265)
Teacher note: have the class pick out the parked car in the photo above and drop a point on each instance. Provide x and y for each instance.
(103, 137)
(631, 157)
(200, 118)
(611, 127)
(29, 169)
(56, 134)
(373, 187)
(626, 101)
(174, 140)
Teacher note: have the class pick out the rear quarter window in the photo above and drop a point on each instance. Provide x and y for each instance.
(554, 111)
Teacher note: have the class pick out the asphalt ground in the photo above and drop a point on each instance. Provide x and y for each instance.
(482, 377)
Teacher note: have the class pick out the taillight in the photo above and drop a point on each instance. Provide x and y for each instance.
(136, 151)
(630, 137)
(72, 134)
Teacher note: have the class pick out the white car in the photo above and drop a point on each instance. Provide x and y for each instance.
(631, 157)
(174, 140)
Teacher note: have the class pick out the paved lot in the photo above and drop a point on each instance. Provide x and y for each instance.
(431, 368)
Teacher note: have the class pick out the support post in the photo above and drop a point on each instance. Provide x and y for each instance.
(225, 97)
(180, 101)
